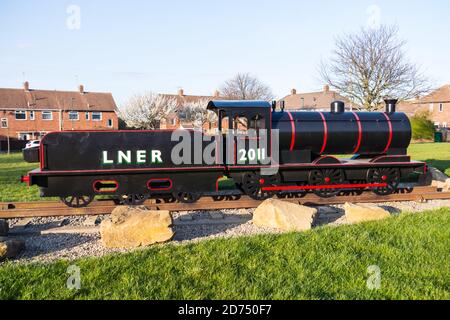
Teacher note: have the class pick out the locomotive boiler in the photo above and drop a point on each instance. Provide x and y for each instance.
(135, 165)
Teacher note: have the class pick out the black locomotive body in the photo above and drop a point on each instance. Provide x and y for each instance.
(136, 165)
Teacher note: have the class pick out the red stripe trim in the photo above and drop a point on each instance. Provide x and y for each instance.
(160, 179)
(41, 156)
(325, 133)
(217, 183)
(291, 165)
(358, 121)
(292, 131)
(301, 165)
(390, 133)
(105, 181)
(331, 186)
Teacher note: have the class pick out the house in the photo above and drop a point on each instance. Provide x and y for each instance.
(177, 120)
(437, 103)
(28, 114)
(313, 101)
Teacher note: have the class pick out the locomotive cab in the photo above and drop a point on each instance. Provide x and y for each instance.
(246, 131)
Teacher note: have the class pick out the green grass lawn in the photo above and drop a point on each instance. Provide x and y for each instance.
(411, 250)
(435, 154)
(12, 167)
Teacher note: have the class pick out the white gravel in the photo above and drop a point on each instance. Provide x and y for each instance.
(51, 247)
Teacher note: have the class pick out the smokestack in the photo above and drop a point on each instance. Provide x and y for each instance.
(390, 105)
(26, 86)
(81, 88)
(337, 107)
(293, 91)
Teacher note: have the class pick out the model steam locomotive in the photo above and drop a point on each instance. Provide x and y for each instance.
(135, 165)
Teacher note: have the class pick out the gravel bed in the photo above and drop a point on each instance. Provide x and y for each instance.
(51, 247)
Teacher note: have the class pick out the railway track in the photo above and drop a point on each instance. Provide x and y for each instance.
(225, 200)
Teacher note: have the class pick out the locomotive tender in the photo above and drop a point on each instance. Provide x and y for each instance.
(135, 165)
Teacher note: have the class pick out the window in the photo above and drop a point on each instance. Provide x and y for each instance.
(96, 116)
(441, 107)
(32, 115)
(87, 116)
(73, 115)
(444, 124)
(47, 115)
(24, 136)
(240, 125)
(4, 123)
(110, 123)
(437, 124)
(21, 115)
(173, 121)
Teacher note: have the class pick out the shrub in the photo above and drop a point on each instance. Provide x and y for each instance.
(422, 126)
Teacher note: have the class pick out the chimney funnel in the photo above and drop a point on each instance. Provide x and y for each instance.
(216, 94)
(326, 88)
(26, 86)
(180, 92)
(390, 105)
(293, 91)
(81, 88)
(337, 107)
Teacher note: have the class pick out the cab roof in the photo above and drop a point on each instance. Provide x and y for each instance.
(225, 104)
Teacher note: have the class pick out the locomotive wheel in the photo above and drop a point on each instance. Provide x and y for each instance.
(326, 177)
(391, 176)
(187, 197)
(77, 201)
(253, 182)
(134, 199)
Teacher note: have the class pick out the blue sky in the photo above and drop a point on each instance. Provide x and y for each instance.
(128, 47)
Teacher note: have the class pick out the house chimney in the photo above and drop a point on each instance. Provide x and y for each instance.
(216, 94)
(26, 86)
(180, 92)
(293, 91)
(326, 88)
(81, 88)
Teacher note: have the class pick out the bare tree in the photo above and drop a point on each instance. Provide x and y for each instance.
(245, 87)
(370, 65)
(145, 111)
(197, 113)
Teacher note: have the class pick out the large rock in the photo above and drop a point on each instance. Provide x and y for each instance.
(283, 215)
(364, 212)
(4, 227)
(133, 227)
(11, 248)
(444, 185)
(437, 175)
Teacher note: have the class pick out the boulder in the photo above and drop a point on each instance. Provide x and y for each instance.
(444, 185)
(355, 213)
(129, 227)
(437, 175)
(283, 215)
(4, 227)
(11, 248)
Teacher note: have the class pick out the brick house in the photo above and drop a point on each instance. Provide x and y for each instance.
(437, 103)
(175, 120)
(27, 114)
(313, 101)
